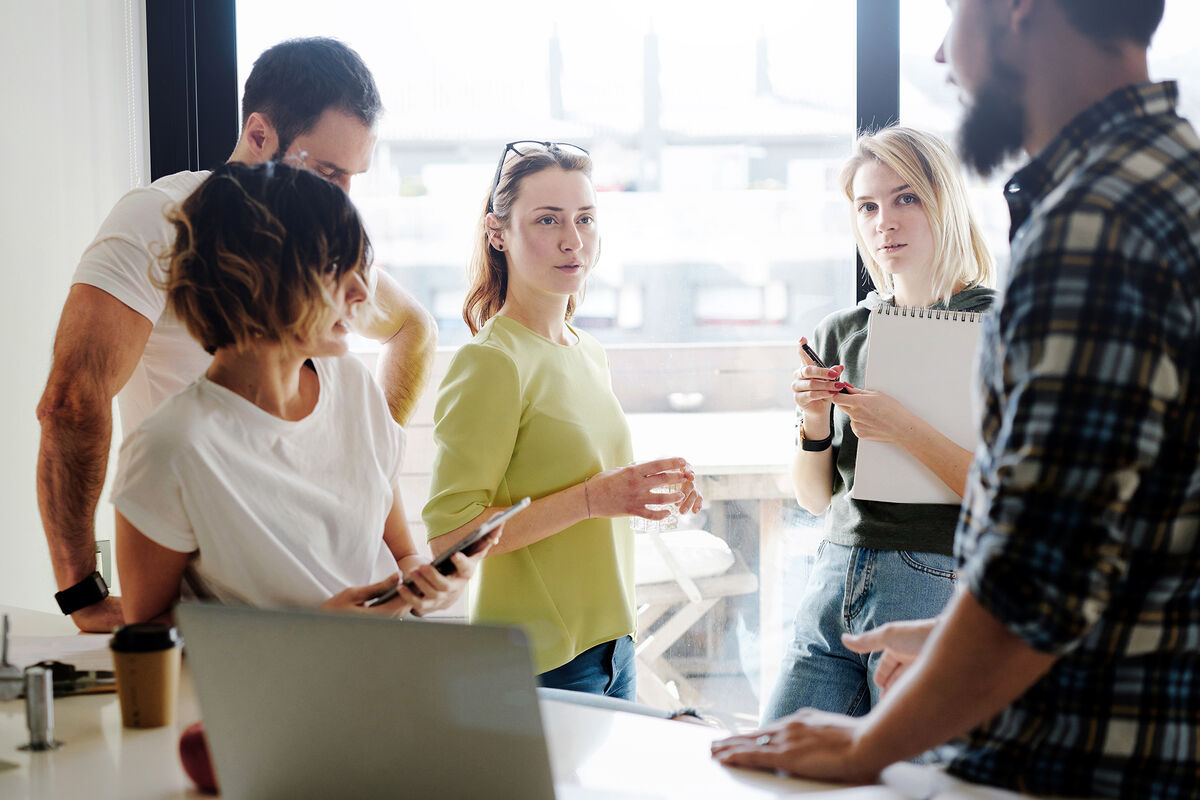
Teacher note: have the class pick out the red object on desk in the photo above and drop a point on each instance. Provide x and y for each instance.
(197, 762)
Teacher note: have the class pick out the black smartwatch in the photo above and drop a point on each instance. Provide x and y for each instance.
(813, 445)
(89, 591)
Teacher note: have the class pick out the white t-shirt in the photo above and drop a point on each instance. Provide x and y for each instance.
(282, 513)
(119, 260)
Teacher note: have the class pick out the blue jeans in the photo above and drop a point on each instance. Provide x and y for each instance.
(852, 590)
(606, 669)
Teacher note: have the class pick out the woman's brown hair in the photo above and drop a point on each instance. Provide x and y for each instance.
(254, 248)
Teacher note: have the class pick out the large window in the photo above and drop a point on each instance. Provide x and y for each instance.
(1174, 54)
(717, 139)
(713, 139)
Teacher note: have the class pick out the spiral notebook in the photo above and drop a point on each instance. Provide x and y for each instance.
(925, 358)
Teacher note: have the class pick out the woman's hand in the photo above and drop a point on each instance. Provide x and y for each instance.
(626, 491)
(814, 387)
(356, 598)
(877, 417)
(438, 591)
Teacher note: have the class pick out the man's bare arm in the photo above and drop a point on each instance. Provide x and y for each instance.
(409, 336)
(98, 344)
(971, 668)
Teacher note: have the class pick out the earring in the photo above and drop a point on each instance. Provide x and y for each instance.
(498, 246)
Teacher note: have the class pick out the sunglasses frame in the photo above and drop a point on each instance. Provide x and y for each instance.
(511, 147)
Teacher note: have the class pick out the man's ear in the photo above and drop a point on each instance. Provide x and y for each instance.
(260, 136)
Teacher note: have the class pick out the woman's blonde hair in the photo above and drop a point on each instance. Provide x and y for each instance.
(487, 271)
(254, 248)
(933, 174)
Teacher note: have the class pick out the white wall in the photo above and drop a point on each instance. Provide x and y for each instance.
(72, 87)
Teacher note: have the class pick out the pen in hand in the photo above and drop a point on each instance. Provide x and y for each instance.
(816, 359)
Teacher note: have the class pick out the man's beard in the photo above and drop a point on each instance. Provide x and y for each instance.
(993, 128)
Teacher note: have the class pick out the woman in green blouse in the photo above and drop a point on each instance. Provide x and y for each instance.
(527, 408)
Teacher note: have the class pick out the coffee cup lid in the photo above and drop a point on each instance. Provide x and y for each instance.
(145, 637)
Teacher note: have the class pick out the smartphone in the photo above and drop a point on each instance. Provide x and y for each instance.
(468, 545)
(808, 351)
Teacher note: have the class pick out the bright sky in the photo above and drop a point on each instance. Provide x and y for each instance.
(455, 63)
(470, 58)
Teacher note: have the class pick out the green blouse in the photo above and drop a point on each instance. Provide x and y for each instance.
(520, 415)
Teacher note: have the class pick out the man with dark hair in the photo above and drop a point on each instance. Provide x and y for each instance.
(1110, 22)
(295, 82)
(1069, 661)
(311, 102)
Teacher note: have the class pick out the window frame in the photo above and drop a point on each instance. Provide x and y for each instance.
(192, 88)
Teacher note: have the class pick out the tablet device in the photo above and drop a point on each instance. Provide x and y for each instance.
(467, 545)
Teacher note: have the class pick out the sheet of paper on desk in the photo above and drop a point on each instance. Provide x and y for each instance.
(83, 651)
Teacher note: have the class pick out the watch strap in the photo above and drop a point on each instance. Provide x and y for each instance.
(89, 591)
(813, 445)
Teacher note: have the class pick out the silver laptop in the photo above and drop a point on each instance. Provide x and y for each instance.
(299, 704)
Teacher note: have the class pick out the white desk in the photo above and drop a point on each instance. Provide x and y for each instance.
(738, 455)
(595, 753)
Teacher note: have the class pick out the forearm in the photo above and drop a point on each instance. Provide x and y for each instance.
(971, 668)
(408, 334)
(812, 472)
(812, 480)
(98, 344)
(945, 459)
(543, 518)
(403, 368)
(72, 461)
(406, 564)
(150, 573)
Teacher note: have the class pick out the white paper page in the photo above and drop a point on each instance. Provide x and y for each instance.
(928, 364)
(82, 651)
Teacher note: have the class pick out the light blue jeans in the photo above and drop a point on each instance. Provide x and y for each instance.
(608, 669)
(852, 590)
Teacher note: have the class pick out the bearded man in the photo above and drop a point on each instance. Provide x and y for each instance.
(1069, 661)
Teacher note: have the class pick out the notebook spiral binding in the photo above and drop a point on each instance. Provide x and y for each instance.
(931, 313)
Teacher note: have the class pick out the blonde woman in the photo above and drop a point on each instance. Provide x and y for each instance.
(879, 562)
(527, 408)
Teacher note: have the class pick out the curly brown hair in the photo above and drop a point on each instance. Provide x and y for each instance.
(254, 249)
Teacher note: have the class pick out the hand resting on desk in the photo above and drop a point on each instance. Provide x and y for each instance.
(818, 744)
(815, 744)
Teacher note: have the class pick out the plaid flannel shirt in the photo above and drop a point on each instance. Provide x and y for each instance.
(1079, 528)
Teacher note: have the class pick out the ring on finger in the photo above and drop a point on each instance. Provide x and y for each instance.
(764, 739)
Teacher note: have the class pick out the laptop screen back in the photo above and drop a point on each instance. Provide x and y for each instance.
(304, 704)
